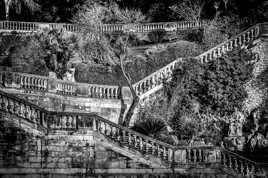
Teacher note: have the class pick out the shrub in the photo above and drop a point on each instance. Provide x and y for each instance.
(48, 50)
(157, 36)
(215, 87)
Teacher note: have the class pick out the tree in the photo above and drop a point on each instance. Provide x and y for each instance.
(26, 56)
(189, 10)
(108, 50)
(31, 4)
(219, 30)
(47, 50)
(58, 49)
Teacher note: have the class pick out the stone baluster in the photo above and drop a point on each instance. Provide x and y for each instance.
(124, 137)
(189, 158)
(194, 155)
(164, 153)
(72, 122)
(158, 150)
(242, 168)
(63, 120)
(140, 144)
(68, 122)
(199, 157)
(243, 38)
(247, 170)
(101, 127)
(149, 147)
(27, 113)
(104, 128)
(4, 103)
(117, 93)
(153, 149)
(253, 170)
(111, 92)
(230, 162)
(90, 91)
(27, 82)
(94, 91)
(119, 136)
(248, 36)
(94, 124)
(112, 134)
(109, 129)
(235, 43)
(251, 33)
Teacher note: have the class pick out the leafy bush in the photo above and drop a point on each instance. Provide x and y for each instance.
(48, 50)
(219, 30)
(149, 126)
(26, 56)
(157, 36)
(215, 87)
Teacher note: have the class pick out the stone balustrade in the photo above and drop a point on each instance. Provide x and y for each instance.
(237, 41)
(156, 78)
(115, 132)
(170, 155)
(241, 165)
(24, 81)
(37, 83)
(148, 146)
(137, 28)
(244, 38)
(23, 109)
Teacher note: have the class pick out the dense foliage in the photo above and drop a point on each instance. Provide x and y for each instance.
(215, 88)
(45, 51)
(160, 10)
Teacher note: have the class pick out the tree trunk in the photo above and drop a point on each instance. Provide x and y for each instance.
(123, 107)
(135, 100)
(7, 5)
(130, 111)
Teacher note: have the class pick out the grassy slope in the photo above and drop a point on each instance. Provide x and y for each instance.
(141, 65)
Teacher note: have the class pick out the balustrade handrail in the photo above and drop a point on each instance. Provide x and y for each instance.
(103, 27)
(58, 80)
(44, 83)
(23, 109)
(248, 168)
(112, 124)
(23, 101)
(210, 51)
(243, 158)
(158, 71)
(170, 64)
(229, 40)
(53, 113)
(168, 150)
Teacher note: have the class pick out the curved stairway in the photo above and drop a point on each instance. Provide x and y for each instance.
(153, 82)
(149, 151)
(144, 87)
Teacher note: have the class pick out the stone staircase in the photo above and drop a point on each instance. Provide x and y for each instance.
(154, 82)
(141, 148)
(143, 88)
(148, 151)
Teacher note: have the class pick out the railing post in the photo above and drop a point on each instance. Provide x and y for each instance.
(94, 124)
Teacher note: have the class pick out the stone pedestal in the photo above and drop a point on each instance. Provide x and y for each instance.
(235, 143)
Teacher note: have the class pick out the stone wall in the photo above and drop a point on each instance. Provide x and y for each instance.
(107, 108)
(61, 150)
